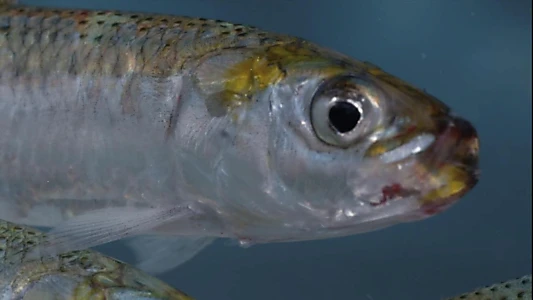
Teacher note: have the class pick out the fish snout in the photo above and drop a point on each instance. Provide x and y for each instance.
(451, 163)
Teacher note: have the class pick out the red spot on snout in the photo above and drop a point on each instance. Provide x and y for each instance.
(390, 192)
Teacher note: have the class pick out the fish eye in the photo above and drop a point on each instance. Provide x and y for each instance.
(344, 115)
(337, 109)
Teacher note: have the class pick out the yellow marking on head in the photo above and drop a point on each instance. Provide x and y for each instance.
(393, 80)
(251, 75)
(451, 180)
(268, 66)
(428, 104)
(383, 146)
(302, 57)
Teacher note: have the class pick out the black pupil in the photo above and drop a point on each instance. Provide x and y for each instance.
(344, 116)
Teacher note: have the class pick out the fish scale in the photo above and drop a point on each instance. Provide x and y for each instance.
(112, 43)
(76, 66)
(77, 275)
(513, 289)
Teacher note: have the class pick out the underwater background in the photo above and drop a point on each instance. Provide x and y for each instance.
(475, 55)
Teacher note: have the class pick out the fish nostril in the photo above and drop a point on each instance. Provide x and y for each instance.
(443, 124)
(465, 128)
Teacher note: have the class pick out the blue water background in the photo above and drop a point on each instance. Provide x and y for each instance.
(476, 56)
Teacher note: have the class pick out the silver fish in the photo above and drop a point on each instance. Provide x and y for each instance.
(515, 289)
(78, 275)
(182, 130)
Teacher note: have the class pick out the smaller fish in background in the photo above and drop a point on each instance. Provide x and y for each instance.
(519, 288)
(75, 275)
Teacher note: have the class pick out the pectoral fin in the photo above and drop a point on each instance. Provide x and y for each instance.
(106, 225)
(159, 254)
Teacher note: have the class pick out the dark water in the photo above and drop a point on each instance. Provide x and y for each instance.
(476, 56)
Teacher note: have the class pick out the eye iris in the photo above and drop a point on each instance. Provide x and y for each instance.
(344, 116)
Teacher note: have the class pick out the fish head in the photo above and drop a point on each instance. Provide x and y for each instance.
(354, 148)
(307, 143)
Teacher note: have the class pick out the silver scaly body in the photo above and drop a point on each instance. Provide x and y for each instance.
(182, 129)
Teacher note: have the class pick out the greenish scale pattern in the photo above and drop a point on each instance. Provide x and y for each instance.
(515, 289)
(113, 43)
(95, 275)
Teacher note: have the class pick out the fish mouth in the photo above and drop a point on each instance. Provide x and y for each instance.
(437, 165)
(450, 166)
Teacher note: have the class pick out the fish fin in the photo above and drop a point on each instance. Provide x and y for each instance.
(159, 254)
(106, 225)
